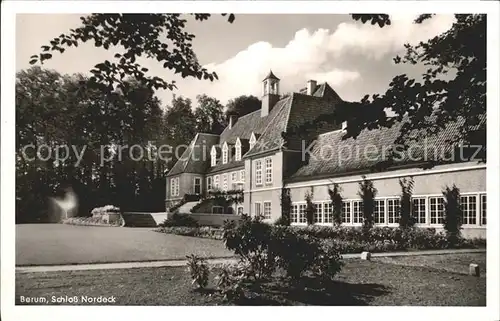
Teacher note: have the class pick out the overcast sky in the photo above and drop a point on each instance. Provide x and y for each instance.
(355, 59)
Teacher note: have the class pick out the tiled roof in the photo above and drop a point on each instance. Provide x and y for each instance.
(192, 160)
(331, 155)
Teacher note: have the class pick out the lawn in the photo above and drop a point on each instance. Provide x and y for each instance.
(359, 283)
(48, 244)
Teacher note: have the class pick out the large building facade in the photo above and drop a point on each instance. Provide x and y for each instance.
(262, 152)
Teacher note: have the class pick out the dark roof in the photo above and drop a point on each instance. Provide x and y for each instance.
(192, 160)
(270, 75)
(331, 155)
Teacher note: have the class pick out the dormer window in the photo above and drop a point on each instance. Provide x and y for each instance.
(225, 153)
(237, 152)
(252, 140)
(213, 156)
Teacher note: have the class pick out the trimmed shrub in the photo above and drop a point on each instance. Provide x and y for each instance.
(198, 269)
(177, 219)
(202, 231)
(406, 218)
(367, 192)
(309, 208)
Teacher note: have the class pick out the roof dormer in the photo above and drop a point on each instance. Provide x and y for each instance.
(253, 140)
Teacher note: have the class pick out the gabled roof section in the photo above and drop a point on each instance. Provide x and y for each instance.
(192, 160)
(325, 91)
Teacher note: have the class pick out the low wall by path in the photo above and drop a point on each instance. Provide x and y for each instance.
(209, 219)
(158, 217)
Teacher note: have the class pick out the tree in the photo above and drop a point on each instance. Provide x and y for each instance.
(209, 115)
(158, 36)
(453, 88)
(406, 218)
(336, 198)
(367, 193)
(242, 105)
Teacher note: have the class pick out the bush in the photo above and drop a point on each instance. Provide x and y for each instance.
(98, 211)
(286, 207)
(406, 218)
(179, 220)
(250, 240)
(263, 248)
(198, 270)
(92, 221)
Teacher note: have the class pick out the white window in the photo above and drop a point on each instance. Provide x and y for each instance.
(483, 209)
(234, 177)
(217, 210)
(237, 153)
(252, 140)
(224, 182)
(346, 212)
(267, 210)
(302, 213)
(242, 176)
(328, 212)
(197, 185)
(469, 211)
(357, 213)
(436, 209)
(379, 212)
(419, 210)
(213, 156)
(393, 211)
(258, 209)
(239, 211)
(258, 172)
(225, 153)
(209, 183)
(216, 181)
(318, 213)
(174, 186)
(269, 170)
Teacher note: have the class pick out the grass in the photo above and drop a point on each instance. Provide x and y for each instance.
(48, 244)
(359, 283)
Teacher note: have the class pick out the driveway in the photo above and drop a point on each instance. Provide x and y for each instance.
(47, 244)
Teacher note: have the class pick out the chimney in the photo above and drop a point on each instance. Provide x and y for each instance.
(232, 120)
(311, 86)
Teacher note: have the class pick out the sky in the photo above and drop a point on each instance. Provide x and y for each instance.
(354, 58)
